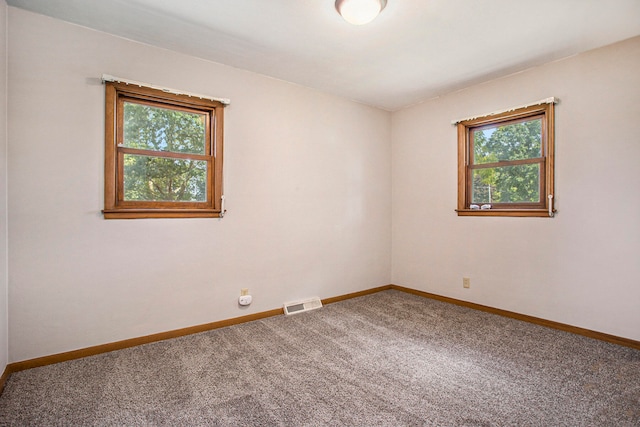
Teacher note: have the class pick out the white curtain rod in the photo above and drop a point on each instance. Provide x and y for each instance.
(551, 100)
(108, 78)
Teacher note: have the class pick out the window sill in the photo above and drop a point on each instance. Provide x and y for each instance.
(541, 213)
(164, 213)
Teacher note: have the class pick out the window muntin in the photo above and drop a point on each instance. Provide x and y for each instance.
(505, 163)
(163, 154)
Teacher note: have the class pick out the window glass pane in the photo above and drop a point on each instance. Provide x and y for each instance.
(506, 184)
(160, 179)
(515, 141)
(163, 129)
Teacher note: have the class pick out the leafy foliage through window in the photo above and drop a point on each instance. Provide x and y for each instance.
(506, 163)
(163, 154)
(164, 130)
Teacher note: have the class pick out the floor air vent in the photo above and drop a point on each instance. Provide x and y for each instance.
(300, 306)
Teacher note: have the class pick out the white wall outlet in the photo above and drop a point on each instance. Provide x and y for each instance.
(466, 282)
(244, 300)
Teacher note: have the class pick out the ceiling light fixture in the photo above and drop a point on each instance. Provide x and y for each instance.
(360, 12)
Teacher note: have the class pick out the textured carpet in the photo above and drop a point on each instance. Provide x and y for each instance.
(386, 359)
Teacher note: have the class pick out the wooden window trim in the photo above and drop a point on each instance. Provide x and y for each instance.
(546, 206)
(115, 207)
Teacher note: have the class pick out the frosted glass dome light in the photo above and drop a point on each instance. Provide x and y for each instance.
(360, 12)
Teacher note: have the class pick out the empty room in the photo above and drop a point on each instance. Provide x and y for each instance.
(310, 213)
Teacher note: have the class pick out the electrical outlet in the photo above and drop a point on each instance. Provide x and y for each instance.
(466, 282)
(244, 291)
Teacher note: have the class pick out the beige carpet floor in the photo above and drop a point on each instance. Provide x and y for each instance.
(386, 359)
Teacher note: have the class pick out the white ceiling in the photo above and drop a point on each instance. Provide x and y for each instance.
(415, 49)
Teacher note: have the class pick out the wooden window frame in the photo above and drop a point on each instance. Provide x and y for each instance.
(115, 207)
(545, 208)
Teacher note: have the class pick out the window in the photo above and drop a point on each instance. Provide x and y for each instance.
(505, 163)
(163, 154)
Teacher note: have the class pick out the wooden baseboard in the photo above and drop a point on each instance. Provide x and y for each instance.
(531, 319)
(4, 378)
(119, 345)
(356, 294)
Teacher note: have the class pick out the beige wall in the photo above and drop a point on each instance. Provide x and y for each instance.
(581, 267)
(4, 315)
(308, 184)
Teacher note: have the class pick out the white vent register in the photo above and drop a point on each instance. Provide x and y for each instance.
(301, 306)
